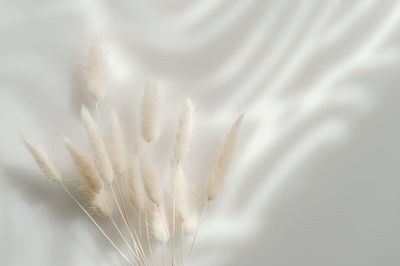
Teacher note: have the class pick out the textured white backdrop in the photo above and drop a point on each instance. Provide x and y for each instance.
(317, 180)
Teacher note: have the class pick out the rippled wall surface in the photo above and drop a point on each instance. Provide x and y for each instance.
(317, 178)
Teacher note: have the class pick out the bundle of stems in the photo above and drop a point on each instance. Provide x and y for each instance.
(124, 186)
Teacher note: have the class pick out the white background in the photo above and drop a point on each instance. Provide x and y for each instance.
(316, 179)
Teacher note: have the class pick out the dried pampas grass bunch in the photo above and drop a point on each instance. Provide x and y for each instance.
(121, 184)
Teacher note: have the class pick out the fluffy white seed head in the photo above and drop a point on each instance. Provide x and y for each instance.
(184, 134)
(150, 112)
(137, 194)
(152, 185)
(95, 72)
(47, 167)
(182, 193)
(159, 224)
(101, 157)
(101, 205)
(216, 179)
(85, 167)
(117, 148)
(191, 223)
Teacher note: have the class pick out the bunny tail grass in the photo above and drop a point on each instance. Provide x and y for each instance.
(197, 229)
(150, 112)
(85, 167)
(182, 199)
(100, 205)
(184, 131)
(159, 224)
(216, 179)
(118, 156)
(95, 72)
(117, 150)
(191, 223)
(139, 255)
(181, 149)
(146, 219)
(47, 167)
(152, 185)
(137, 193)
(102, 160)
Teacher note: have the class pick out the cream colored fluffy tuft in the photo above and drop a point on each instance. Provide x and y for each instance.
(182, 193)
(137, 193)
(48, 168)
(101, 205)
(191, 223)
(116, 145)
(95, 72)
(150, 112)
(159, 224)
(85, 167)
(216, 179)
(152, 184)
(184, 134)
(97, 203)
(101, 157)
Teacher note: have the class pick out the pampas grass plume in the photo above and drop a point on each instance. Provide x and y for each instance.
(97, 203)
(191, 223)
(216, 179)
(101, 206)
(158, 190)
(48, 168)
(159, 224)
(152, 185)
(182, 197)
(102, 159)
(117, 150)
(95, 72)
(137, 192)
(150, 112)
(184, 131)
(85, 167)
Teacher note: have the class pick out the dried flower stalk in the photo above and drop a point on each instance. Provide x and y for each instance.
(137, 181)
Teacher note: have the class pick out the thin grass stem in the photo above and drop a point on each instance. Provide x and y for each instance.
(132, 253)
(129, 224)
(119, 231)
(166, 232)
(197, 230)
(183, 245)
(163, 253)
(174, 209)
(140, 228)
(148, 235)
(140, 242)
(95, 223)
(125, 221)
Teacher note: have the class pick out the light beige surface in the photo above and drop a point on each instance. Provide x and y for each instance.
(318, 178)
